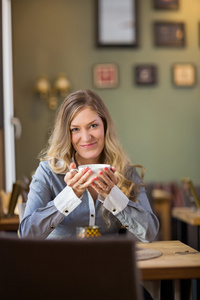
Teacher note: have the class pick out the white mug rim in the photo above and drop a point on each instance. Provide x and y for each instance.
(95, 166)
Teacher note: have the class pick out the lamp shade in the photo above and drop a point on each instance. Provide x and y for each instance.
(42, 86)
(62, 84)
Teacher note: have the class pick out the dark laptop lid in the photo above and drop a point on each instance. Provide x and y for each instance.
(104, 268)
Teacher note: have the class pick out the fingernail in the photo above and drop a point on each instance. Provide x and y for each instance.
(106, 168)
(95, 178)
(90, 171)
(86, 168)
(100, 173)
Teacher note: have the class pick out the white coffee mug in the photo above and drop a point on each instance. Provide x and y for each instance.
(96, 168)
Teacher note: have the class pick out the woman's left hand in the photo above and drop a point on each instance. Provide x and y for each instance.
(105, 181)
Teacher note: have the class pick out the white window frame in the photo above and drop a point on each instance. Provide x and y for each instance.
(8, 103)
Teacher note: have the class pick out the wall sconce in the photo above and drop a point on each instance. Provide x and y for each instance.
(51, 93)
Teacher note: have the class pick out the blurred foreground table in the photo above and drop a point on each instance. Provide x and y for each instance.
(178, 261)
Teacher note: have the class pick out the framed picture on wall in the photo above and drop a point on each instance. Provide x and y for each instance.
(169, 34)
(105, 76)
(145, 75)
(166, 4)
(116, 23)
(184, 74)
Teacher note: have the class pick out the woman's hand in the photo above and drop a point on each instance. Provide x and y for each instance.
(78, 180)
(105, 181)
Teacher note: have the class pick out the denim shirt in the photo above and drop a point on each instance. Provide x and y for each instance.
(54, 211)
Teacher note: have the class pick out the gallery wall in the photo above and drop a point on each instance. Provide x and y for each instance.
(158, 125)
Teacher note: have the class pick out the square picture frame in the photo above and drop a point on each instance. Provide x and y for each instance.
(166, 4)
(105, 75)
(145, 74)
(117, 23)
(184, 74)
(169, 34)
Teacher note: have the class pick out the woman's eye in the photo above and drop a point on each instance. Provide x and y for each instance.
(93, 125)
(74, 129)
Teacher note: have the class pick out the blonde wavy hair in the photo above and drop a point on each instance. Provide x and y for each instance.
(60, 148)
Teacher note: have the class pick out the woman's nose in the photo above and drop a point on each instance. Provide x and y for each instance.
(86, 135)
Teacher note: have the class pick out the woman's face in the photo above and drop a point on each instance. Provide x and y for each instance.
(87, 134)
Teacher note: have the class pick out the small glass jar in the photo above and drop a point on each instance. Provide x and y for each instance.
(88, 232)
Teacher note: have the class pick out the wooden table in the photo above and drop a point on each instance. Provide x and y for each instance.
(9, 224)
(186, 215)
(178, 261)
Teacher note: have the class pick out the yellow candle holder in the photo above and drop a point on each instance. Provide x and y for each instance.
(88, 232)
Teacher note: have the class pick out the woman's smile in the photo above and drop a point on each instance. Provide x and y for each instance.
(88, 145)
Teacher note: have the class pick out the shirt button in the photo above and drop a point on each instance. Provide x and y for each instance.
(92, 215)
(114, 209)
(126, 226)
(66, 211)
(52, 227)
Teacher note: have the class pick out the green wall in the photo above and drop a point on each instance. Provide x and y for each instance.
(159, 126)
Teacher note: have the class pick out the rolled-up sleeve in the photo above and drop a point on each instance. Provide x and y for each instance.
(66, 201)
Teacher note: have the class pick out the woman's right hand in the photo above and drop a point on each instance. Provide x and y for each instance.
(78, 180)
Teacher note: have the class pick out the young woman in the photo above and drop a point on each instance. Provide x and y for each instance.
(62, 199)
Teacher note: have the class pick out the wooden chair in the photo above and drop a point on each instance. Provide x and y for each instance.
(75, 269)
(162, 202)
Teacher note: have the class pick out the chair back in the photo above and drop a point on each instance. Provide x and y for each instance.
(21, 210)
(75, 269)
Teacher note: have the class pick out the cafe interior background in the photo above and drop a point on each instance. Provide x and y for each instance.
(158, 124)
